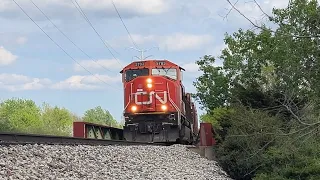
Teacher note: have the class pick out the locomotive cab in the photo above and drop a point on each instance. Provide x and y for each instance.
(154, 69)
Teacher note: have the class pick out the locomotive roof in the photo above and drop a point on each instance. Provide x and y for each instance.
(168, 63)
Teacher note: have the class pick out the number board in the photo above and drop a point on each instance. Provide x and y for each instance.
(161, 63)
(139, 63)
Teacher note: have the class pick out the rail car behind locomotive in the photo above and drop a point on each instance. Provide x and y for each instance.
(156, 106)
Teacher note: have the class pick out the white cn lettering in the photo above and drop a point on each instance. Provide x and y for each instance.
(162, 101)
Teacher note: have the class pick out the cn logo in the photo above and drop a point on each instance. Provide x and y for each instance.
(152, 93)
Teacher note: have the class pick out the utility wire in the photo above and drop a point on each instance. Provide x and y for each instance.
(78, 7)
(115, 7)
(68, 37)
(83, 14)
(58, 44)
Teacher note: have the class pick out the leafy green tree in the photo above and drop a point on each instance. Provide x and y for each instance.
(268, 60)
(57, 121)
(99, 116)
(264, 100)
(20, 116)
(212, 86)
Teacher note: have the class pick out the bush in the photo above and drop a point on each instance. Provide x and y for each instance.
(245, 136)
(257, 144)
(292, 157)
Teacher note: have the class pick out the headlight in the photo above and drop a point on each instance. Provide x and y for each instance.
(134, 108)
(149, 85)
(164, 107)
(149, 80)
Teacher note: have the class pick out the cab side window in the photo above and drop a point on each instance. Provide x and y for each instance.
(168, 72)
(133, 73)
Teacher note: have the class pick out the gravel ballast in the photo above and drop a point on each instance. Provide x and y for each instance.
(105, 162)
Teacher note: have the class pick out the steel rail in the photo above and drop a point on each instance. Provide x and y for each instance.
(19, 138)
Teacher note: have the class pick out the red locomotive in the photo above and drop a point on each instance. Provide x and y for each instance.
(156, 106)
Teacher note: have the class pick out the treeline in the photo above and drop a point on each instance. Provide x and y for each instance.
(264, 100)
(24, 116)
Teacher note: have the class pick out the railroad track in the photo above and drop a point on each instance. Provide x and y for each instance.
(19, 138)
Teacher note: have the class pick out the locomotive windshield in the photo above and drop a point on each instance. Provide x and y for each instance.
(171, 73)
(133, 73)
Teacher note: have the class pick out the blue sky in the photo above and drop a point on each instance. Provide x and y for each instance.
(33, 67)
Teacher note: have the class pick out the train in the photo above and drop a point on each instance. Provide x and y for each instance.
(156, 106)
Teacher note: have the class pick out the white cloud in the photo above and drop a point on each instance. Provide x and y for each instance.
(90, 82)
(36, 84)
(102, 64)
(252, 11)
(17, 82)
(21, 40)
(6, 5)
(191, 67)
(192, 72)
(173, 42)
(216, 50)
(180, 42)
(275, 3)
(6, 57)
(11, 79)
(196, 10)
(138, 7)
(98, 8)
(139, 39)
